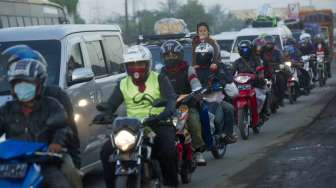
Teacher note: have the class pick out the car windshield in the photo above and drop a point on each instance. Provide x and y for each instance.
(51, 51)
(225, 45)
(251, 38)
(157, 61)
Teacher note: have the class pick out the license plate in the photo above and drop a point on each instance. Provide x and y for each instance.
(244, 87)
(15, 171)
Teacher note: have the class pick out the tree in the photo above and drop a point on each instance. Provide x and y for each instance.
(192, 13)
(170, 7)
(71, 5)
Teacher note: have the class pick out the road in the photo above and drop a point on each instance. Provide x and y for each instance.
(278, 130)
(307, 160)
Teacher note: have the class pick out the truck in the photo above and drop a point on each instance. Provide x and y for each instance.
(324, 18)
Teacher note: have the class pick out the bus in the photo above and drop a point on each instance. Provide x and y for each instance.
(22, 13)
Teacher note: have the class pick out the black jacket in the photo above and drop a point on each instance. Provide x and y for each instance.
(73, 143)
(34, 127)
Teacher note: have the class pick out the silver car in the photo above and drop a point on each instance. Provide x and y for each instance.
(82, 59)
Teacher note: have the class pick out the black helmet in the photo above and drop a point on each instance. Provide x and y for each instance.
(270, 42)
(172, 52)
(204, 54)
(245, 49)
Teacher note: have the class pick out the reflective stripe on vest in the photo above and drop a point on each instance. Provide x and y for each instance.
(138, 104)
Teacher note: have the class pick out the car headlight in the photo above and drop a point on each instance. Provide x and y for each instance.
(288, 63)
(124, 140)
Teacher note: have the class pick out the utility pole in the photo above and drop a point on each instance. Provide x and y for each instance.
(126, 16)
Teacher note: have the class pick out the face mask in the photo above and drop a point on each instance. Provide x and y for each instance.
(25, 91)
(137, 74)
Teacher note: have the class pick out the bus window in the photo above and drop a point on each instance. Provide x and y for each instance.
(12, 21)
(27, 21)
(20, 21)
(55, 21)
(35, 21)
(4, 21)
(48, 21)
(41, 21)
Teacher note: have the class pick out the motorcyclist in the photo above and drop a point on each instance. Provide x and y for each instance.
(321, 46)
(272, 58)
(206, 61)
(28, 115)
(141, 87)
(257, 51)
(248, 64)
(71, 161)
(184, 80)
(307, 49)
(293, 54)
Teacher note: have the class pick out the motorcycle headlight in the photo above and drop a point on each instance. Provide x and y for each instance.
(288, 63)
(242, 79)
(125, 140)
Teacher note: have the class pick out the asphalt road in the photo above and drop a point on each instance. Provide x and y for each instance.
(307, 160)
(277, 131)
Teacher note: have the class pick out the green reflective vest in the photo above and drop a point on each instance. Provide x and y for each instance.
(139, 105)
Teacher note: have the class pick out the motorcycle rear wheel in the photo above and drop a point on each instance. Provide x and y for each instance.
(186, 172)
(244, 122)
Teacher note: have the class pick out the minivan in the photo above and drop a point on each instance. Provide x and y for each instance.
(85, 61)
(280, 33)
(225, 41)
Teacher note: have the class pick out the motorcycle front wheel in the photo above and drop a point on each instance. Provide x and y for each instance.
(132, 181)
(244, 121)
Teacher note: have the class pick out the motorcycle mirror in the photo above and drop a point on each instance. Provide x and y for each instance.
(159, 103)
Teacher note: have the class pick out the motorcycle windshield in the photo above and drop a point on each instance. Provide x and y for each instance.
(14, 148)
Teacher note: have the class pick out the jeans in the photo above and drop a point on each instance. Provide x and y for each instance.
(194, 126)
(224, 117)
(54, 178)
(71, 172)
(163, 149)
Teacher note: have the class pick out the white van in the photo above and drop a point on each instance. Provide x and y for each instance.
(84, 60)
(226, 41)
(280, 33)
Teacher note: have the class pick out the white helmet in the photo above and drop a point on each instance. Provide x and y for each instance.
(305, 36)
(137, 53)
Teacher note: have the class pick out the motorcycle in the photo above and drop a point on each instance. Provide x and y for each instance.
(293, 85)
(245, 104)
(21, 163)
(321, 68)
(133, 142)
(186, 162)
(308, 64)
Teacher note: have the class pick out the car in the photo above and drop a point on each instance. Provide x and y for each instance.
(225, 41)
(154, 42)
(280, 33)
(84, 60)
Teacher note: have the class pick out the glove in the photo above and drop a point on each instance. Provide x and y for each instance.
(55, 148)
(152, 120)
(103, 119)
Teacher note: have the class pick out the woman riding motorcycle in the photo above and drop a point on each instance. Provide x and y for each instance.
(138, 90)
(206, 61)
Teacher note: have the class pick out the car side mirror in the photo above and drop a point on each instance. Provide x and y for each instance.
(81, 75)
(159, 103)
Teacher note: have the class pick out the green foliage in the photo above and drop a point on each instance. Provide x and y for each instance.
(192, 13)
(71, 5)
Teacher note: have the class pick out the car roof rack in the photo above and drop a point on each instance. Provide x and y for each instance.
(160, 38)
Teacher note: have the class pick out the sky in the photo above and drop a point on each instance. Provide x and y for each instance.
(91, 9)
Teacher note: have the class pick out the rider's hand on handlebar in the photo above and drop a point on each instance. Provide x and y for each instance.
(151, 120)
(103, 119)
(55, 148)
